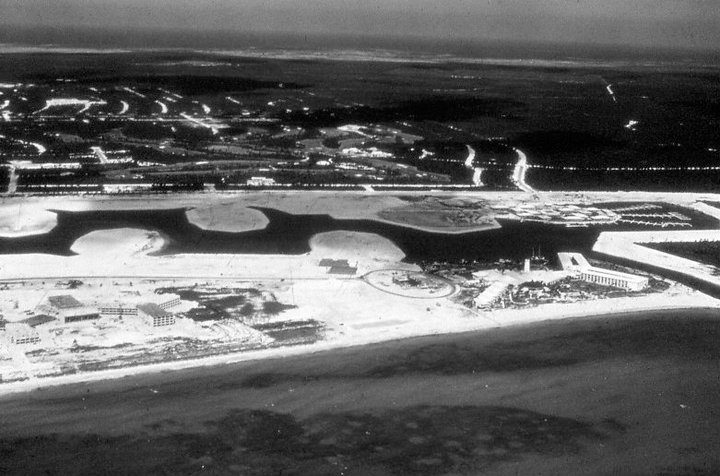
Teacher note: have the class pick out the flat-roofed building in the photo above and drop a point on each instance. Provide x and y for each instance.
(616, 279)
(155, 315)
(38, 320)
(171, 301)
(128, 306)
(342, 270)
(79, 315)
(69, 310)
(492, 294)
(19, 333)
(64, 301)
(260, 181)
(606, 277)
(118, 309)
(329, 263)
(573, 261)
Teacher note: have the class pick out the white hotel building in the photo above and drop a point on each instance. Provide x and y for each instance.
(606, 277)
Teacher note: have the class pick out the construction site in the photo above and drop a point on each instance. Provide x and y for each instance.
(101, 324)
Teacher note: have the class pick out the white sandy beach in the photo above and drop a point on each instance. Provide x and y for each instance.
(394, 330)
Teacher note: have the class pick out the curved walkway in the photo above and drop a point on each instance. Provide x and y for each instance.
(451, 287)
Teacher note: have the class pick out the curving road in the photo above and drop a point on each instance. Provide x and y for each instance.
(518, 176)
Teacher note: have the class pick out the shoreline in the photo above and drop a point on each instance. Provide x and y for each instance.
(363, 327)
(517, 318)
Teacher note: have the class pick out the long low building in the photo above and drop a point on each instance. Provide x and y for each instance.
(69, 310)
(129, 307)
(605, 277)
(21, 334)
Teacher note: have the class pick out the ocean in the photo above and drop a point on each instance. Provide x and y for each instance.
(624, 394)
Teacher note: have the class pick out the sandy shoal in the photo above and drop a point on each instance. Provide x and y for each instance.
(354, 246)
(20, 219)
(227, 217)
(118, 242)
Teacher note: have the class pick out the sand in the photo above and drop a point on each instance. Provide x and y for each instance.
(18, 218)
(118, 243)
(355, 246)
(228, 217)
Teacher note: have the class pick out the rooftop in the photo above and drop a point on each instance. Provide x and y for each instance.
(38, 320)
(64, 301)
(615, 274)
(573, 260)
(342, 270)
(153, 310)
(327, 262)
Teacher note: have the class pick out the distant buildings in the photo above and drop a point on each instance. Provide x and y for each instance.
(493, 293)
(67, 310)
(126, 187)
(607, 277)
(260, 182)
(125, 308)
(118, 309)
(21, 334)
(38, 320)
(61, 310)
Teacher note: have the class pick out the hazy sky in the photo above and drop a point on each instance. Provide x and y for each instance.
(687, 23)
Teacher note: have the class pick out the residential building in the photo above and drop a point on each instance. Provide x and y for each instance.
(155, 315)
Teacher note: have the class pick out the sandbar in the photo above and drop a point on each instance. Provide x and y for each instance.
(231, 217)
(355, 245)
(116, 243)
(22, 219)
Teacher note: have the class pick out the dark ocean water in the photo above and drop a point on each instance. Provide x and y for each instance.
(627, 394)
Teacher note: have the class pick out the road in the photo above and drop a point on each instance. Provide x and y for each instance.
(100, 154)
(163, 107)
(518, 176)
(477, 171)
(12, 184)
